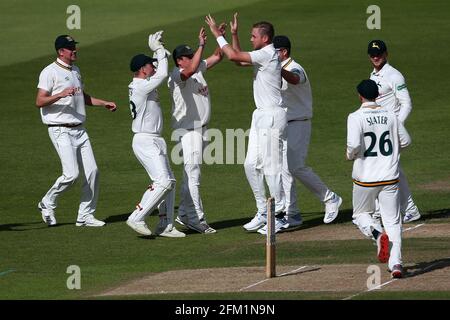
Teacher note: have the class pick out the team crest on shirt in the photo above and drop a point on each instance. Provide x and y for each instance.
(67, 78)
(203, 91)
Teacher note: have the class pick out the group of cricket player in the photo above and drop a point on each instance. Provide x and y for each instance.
(278, 142)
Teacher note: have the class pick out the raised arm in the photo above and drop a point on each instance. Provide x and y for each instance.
(235, 38)
(231, 53)
(188, 72)
(217, 56)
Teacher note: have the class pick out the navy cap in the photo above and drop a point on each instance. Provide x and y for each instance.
(368, 89)
(281, 42)
(140, 60)
(65, 41)
(376, 47)
(182, 50)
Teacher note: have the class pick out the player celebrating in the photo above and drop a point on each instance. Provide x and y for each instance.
(61, 99)
(374, 139)
(148, 145)
(395, 96)
(297, 102)
(191, 108)
(265, 145)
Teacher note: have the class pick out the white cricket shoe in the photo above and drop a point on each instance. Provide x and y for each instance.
(411, 216)
(332, 208)
(257, 222)
(169, 231)
(284, 224)
(294, 221)
(183, 220)
(89, 221)
(139, 227)
(280, 225)
(48, 215)
(200, 226)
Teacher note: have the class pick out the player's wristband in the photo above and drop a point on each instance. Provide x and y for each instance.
(222, 42)
(201, 45)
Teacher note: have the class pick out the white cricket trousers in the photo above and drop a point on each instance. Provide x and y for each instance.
(265, 154)
(295, 150)
(407, 204)
(364, 207)
(192, 144)
(151, 151)
(77, 159)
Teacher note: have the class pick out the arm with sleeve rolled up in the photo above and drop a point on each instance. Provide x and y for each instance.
(353, 138)
(402, 95)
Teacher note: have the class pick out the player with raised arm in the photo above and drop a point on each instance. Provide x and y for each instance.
(148, 145)
(267, 132)
(191, 112)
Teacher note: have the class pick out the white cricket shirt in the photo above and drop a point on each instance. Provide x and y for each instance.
(266, 77)
(374, 139)
(56, 77)
(191, 105)
(144, 101)
(394, 94)
(297, 98)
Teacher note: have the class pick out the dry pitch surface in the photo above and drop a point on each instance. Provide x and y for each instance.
(432, 275)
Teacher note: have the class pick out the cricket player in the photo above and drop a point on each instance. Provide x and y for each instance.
(191, 112)
(267, 132)
(394, 95)
(148, 145)
(61, 99)
(374, 138)
(297, 102)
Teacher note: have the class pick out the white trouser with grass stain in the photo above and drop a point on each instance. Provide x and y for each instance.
(151, 151)
(265, 154)
(77, 159)
(363, 208)
(295, 151)
(193, 143)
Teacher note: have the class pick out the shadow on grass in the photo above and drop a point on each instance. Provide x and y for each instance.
(28, 226)
(343, 217)
(425, 267)
(118, 218)
(436, 214)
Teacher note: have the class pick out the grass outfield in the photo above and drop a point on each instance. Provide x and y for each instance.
(329, 40)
